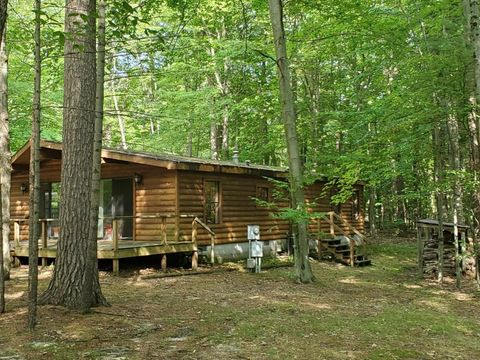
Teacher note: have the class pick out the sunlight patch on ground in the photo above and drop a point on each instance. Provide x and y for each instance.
(13, 296)
(412, 286)
(350, 280)
(317, 306)
(435, 305)
(463, 297)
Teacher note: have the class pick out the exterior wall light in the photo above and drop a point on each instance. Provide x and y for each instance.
(24, 188)
(137, 178)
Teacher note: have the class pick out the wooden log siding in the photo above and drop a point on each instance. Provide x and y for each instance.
(155, 195)
(19, 205)
(317, 202)
(238, 209)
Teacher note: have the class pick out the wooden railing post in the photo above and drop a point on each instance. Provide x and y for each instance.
(163, 229)
(115, 261)
(351, 242)
(332, 223)
(195, 250)
(44, 241)
(16, 233)
(212, 249)
(319, 240)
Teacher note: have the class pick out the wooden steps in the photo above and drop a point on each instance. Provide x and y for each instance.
(340, 252)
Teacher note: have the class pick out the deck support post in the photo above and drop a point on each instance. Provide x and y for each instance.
(44, 242)
(163, 261)
(195, 260)
(420, 245)
(115, 260)
(16, 233)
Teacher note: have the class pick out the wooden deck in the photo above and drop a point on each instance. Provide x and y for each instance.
(106, 250)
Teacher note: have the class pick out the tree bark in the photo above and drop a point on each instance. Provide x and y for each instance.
(302, 265)
(3, 136)
(5, 167)
(471, 13)
(34, 225)
(70, 284)
(439, 159)
(92, 280)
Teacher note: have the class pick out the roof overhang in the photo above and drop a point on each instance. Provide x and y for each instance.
(52, 150)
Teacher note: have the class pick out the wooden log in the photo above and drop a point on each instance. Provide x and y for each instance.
(163, 260)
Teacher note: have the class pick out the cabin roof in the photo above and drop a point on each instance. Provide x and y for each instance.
(53, 150)
(434, 223)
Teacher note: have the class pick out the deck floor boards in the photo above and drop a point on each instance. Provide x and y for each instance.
(126, 248)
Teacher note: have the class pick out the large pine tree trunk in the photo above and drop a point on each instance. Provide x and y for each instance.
(34, 226)
(5, 168)
(68, 286)
(302, 265)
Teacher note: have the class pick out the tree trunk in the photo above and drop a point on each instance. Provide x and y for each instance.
(68, 286)
(2, 269)
(302, 265)
(5, 167)
(34, 205)
(91, 272)
(371, 211)
(3, 136)
(439, 158)
(472, 16)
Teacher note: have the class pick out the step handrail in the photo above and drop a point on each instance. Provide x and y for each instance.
(196, 221)
(330, 217)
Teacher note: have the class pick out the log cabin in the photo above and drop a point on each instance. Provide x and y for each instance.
(154, 204)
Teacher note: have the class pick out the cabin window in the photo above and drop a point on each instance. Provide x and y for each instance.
(356, 206)
(49, 207)
(116, 200)
(263, 193)
(212, 202)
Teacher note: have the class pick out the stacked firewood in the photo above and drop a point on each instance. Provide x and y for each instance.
(430, 257)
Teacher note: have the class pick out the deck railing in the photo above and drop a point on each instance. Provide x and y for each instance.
(333, 220)
(116, 238)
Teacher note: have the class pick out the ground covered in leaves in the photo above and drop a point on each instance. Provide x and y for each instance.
(384, 311)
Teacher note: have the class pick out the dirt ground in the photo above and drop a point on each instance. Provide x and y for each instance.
(384, 311)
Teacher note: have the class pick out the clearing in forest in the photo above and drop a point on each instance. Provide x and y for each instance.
(379, 312)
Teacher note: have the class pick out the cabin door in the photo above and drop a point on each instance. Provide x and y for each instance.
(116, 200)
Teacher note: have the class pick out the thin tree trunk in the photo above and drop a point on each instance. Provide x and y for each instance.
(2, 269)
(213, 140)
(68, 286)
(121, 122)
(302, 264)
(4, 120)
(371, 211)
(5, 167)
(34, 225)
(439, 158)
(91, 273)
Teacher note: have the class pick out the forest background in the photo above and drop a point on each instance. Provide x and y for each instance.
(385, 91)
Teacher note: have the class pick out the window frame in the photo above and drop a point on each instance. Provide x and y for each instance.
(258, 193)
(218, 209)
